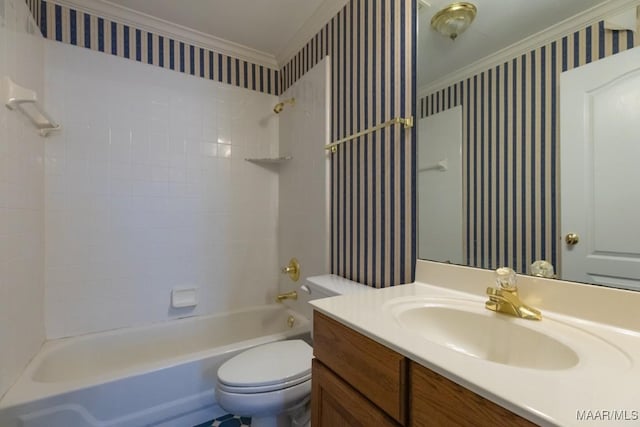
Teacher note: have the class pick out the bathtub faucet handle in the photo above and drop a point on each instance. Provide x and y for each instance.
(293, 269)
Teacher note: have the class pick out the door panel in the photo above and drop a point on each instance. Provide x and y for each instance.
(600, 173)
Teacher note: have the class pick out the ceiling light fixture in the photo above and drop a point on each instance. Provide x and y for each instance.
(454, 19)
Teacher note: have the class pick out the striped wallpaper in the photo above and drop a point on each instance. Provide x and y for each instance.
(373, 202)
(82, 29)
(510, 148)
(372, 46)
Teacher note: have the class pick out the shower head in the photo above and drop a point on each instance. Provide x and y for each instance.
(280, 105)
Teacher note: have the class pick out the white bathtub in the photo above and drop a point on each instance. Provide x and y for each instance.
(160, 375)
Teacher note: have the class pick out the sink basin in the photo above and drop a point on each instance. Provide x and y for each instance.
(468, 328)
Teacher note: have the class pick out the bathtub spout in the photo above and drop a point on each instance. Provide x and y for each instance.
(289, 295)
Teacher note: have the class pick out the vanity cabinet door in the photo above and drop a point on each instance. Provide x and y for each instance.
(336, 404)
(437, 401)
(374, 370)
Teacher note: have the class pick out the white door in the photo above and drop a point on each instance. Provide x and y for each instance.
(440, 187)
(600, 171)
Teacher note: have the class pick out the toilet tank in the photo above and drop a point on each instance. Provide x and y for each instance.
(328, 285)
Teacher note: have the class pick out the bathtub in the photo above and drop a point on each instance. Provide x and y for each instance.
(160, 375)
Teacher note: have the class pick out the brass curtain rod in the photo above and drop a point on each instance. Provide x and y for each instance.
(407, 122)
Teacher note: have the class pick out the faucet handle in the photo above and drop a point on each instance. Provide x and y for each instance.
(542, 268)
(293, 269)
(506, 279)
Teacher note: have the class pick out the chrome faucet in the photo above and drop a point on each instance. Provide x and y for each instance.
(504, 298)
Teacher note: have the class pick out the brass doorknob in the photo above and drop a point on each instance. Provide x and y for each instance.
(572, 239)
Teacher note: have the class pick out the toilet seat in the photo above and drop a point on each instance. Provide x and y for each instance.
(264, 404)
(263, 389)
(266, 368)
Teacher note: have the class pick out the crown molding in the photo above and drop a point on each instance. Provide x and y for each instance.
(553, 33)
(323, 14)
(136, 19)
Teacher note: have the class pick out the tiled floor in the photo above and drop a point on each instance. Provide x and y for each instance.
(227, 421)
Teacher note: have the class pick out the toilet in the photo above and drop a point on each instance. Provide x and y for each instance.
(272, 382)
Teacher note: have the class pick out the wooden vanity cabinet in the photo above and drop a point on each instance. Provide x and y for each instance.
(336, 404)
(375, 371)
(436, 401)
(357, 381)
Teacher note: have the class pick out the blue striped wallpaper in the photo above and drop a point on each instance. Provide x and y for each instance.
(373, 202)
(510, 148)
(373, 198)
(82, 29)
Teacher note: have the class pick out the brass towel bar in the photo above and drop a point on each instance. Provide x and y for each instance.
(407, 122)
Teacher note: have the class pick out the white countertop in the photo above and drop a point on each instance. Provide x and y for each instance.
(597, 383)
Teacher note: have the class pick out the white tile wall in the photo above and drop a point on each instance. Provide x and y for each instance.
(21, 200)
(303, 180)
(147, 189)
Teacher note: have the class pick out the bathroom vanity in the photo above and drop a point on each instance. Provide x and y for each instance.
(429, 353)
(357, 381)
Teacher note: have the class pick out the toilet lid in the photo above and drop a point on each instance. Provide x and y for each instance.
(273, 363)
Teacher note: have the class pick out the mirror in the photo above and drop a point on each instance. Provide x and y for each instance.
(490, 157)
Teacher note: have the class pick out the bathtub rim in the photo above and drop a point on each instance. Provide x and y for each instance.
(26, 390)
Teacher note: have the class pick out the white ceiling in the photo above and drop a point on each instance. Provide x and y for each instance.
(498, 24)
(271, 26)
(264, 25)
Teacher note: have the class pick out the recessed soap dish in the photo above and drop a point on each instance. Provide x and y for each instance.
(184, 297)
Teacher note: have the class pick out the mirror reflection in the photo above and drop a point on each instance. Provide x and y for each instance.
(492, 153)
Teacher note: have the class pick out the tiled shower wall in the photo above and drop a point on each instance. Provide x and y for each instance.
(147, 190)
(21, 199)
(511, 147)
(303, 202)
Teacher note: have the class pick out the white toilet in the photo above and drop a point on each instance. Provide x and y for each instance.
(272, 383)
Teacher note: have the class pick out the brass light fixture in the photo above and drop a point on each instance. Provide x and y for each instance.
(454, 19)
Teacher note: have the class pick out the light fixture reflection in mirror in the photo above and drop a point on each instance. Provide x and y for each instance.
(454, 19)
